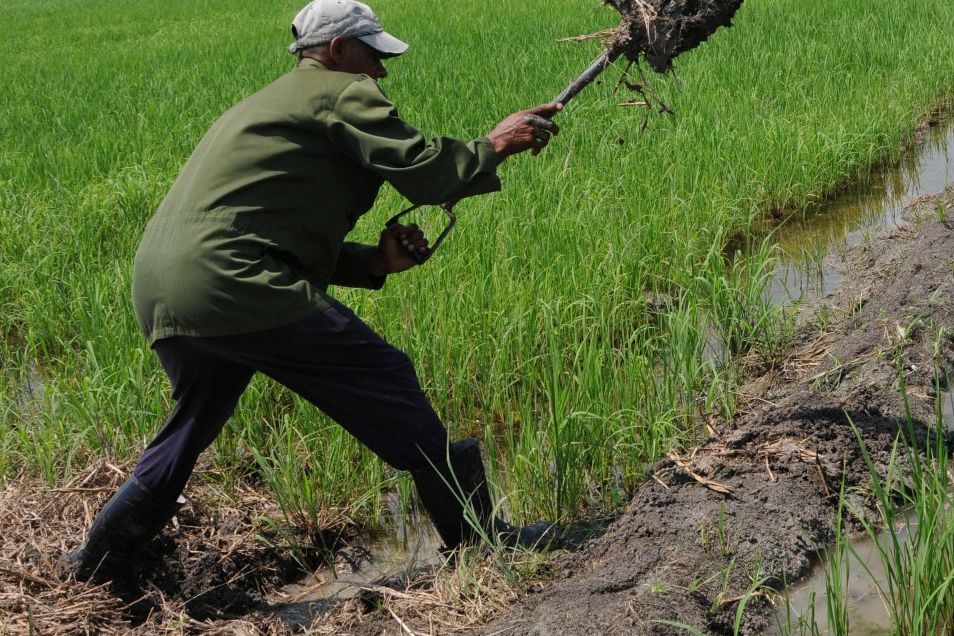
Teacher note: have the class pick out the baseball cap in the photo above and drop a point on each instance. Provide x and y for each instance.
(322, 20)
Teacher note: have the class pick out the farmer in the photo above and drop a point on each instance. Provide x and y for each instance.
(231, 275)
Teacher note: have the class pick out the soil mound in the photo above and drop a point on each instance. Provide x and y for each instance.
(760, 496)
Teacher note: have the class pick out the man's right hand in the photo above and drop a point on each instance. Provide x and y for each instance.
(394, 249)
(529, 129)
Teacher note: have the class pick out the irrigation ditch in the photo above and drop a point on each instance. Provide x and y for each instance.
(754, 505)
(752, 508)
(548, 328)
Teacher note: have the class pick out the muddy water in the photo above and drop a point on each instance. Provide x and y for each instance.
(410, 544)
(875, 204)
(867, 613)
(32, 390)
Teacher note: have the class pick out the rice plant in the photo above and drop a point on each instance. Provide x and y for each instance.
(566, 320)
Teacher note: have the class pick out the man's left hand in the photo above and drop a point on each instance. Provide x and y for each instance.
(395, 247)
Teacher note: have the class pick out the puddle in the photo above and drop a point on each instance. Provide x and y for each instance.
(867, 612)
(32, 391)
(415, 546)
(875, 204)
(947, 409)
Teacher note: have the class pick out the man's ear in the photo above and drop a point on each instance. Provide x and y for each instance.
(336, 48)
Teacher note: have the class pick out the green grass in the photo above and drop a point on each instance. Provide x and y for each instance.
(565, 321)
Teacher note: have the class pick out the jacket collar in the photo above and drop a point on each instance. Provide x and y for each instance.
(307, 62)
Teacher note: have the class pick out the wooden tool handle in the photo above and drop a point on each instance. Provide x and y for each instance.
(585, 78)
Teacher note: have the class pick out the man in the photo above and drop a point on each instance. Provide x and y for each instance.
(231, 276)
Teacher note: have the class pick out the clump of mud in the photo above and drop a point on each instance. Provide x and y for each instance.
(660, 30)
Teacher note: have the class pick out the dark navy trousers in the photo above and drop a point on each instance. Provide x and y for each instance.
(331, 359)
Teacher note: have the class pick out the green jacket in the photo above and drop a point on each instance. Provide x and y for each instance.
(252, 232)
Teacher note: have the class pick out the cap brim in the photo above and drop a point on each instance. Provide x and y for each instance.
(384, 43)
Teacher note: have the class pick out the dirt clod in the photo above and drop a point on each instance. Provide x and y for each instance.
(660, 30)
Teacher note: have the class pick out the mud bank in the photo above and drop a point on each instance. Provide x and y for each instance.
(760, 497)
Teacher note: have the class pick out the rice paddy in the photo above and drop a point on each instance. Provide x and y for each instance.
(568, 320)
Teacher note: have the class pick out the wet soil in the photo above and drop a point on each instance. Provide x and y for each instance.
(659, 30)
(758, 500)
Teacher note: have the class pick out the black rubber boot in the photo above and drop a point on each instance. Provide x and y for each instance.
(444, 494)
(128, 521)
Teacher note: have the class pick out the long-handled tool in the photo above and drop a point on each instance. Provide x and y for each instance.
(582, 81)
(654, 30)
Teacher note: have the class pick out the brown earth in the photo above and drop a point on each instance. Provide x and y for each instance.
(759, 496)
(659, 30)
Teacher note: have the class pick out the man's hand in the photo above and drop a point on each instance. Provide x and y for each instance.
(395, 247)
(529, 129)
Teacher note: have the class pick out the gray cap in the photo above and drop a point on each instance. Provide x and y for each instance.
(322, 20)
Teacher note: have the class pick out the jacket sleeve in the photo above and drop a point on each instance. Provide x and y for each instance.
(351, 269)
(365, 125)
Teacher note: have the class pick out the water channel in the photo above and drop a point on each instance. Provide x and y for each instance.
(867, 577)
(803, 273)
(876, 203)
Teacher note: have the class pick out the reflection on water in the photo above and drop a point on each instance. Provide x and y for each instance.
(947, 410)
(875, 204)
(413, 547)
(867, 611)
